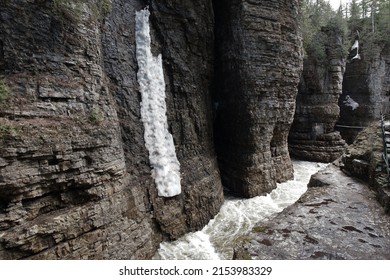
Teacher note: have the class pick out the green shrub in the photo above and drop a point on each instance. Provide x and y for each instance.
(259, 229)
(246, 256)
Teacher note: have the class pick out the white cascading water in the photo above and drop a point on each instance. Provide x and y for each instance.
(236, 218)
(158, 140)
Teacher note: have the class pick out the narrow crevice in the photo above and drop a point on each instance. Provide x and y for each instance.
(3, 206)
(229, 116)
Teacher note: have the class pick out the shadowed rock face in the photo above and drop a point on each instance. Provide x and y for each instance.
(75, 178)
(313, 136)
(257, 71)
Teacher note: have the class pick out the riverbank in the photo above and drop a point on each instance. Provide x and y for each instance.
(338, 217)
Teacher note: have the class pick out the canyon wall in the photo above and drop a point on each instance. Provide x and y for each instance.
(258, 62)
(75, 176)
(313, 134)
(367, 84)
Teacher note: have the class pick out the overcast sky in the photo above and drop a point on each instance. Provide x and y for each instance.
(336, 3)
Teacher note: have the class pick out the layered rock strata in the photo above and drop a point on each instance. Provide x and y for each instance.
(339, 216)
(257, 71)
(75, 178)
(313, 134)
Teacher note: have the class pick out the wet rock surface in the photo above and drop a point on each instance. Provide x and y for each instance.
(65, 191)
(337, 218)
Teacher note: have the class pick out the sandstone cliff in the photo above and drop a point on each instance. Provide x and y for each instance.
(75, 178)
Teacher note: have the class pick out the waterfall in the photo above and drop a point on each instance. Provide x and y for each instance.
(158, 140)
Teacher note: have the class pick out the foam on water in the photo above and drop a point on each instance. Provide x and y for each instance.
(236, 218)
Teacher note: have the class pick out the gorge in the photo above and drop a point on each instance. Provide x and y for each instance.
(79, 178)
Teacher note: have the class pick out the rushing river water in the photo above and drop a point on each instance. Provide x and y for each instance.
(236, 218)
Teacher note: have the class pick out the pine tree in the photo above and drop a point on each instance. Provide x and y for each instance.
(364, 6)
(354, 15)
(383, 20)
(319, 21)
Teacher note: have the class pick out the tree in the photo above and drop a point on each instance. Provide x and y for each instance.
(320, 21)
(374, 26)
(354, 15)
(354, 10)
(373, 12)
(364, 6)
(383, 19)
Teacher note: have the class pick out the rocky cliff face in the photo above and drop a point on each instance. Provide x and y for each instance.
(367, 84)
(257, 71)
(313, 136)
(75, 178)
(175, 28)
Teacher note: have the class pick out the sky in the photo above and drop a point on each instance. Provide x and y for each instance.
(336, 3)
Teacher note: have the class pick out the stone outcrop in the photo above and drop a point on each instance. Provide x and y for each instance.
(366, 82)
(75, 178)
(364, 159)
(258, 63)
(313, 135)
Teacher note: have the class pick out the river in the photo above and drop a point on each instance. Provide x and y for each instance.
(236, 218)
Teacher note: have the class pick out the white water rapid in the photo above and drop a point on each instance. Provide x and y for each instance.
(236, 218)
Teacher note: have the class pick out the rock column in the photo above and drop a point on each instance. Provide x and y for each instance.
(258, 64)
(313, 135)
